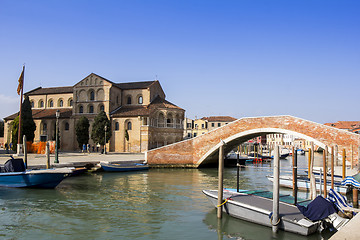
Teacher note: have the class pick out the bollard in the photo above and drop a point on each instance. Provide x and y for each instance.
(237, 169)
(312, 177)
(309, 163)
(47, 155)
(295, 177)
(220, 184)
(25, 151)
(275, 215)
(355, 197)
(336, 155)
(352, 156)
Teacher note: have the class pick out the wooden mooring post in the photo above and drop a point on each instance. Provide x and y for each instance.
(343, 163)
(25, 151)
(325, 171)
(47, 151)
(221, 177)
(275, 216)
(312, 177)
(332, 166)
(295, 189)
(309, 163)
(237, 169)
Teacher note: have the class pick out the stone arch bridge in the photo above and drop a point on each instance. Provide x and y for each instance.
(204, 149)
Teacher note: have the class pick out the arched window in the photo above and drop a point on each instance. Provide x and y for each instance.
(128, 100)
(70, 103)
(129, 126)
(32, 104)
(116, 126)
(41, 104)
(92, 95)
(102, 108)
(81, 109)
(67, 126)
(51, 103)
(140, 100)
(91, 109)
(61, 103)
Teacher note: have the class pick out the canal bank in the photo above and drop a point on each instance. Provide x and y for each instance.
(74, 159)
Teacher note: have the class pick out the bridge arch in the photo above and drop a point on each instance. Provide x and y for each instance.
(201, 149)
(250, 134)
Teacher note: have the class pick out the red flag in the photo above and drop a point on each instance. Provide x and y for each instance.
(21, 81)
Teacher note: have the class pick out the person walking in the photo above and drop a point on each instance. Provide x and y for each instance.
(88, 148)
(84, 148)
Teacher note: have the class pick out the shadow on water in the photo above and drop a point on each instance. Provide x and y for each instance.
(229, 227)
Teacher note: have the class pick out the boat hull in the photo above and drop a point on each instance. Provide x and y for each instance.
(259, 215)
(305, 184)
(123, 168)
(32, 180)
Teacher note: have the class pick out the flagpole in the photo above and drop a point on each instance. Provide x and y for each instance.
(21, 100)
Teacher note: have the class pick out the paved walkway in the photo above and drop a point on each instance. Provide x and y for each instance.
(75, 158)
(349, 231)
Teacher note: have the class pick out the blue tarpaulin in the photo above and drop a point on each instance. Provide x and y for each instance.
(318, 209)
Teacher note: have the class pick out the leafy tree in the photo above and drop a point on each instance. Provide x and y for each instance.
(1, 128)
(27, 121)
(28, 125)
(98, 129)
(14, 133)
(82, 131)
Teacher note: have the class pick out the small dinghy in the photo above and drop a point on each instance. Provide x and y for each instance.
(123, 167)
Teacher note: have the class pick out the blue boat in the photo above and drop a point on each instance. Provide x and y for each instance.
(124, 167)
(14, 174)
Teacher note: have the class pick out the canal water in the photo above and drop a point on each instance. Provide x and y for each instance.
(155, 204)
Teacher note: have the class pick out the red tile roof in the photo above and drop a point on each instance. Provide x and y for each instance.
(219, 119)
(44, 113)
(52, 90)
(133, 111)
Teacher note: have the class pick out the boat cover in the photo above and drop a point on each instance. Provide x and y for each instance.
(318, 209)
(350, 181)
(14, 165)
(338, 200)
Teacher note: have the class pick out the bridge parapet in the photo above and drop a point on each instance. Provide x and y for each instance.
(204, 148)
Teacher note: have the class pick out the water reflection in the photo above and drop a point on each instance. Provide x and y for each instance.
(155, 204)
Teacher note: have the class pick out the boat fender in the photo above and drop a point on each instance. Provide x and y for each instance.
(271, 220)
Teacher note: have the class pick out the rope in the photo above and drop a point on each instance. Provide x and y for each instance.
(271, 218)
(223, 203)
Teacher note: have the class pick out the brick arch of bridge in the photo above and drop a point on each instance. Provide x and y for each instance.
(204, 148)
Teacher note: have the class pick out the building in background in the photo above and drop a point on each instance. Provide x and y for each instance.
(194, 128)
(139, 108)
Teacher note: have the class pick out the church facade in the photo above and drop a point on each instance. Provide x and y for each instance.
(139, 108)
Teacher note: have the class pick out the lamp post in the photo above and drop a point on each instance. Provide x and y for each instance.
(105, 140)
(57, 136)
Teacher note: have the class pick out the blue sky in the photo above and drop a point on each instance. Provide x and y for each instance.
(240, 58)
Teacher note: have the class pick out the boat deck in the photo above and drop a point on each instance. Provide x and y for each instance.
(286, 211)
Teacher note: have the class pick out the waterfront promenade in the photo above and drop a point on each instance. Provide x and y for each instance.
(74, 159)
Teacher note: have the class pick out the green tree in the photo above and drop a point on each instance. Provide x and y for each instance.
(27, 121)
(98, 129)
(28, 125)
(82, 131)
(1, 128)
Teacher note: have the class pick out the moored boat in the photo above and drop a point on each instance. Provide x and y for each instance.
(303, 183)
(14, 174)
(123, 167)
(258, 210)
